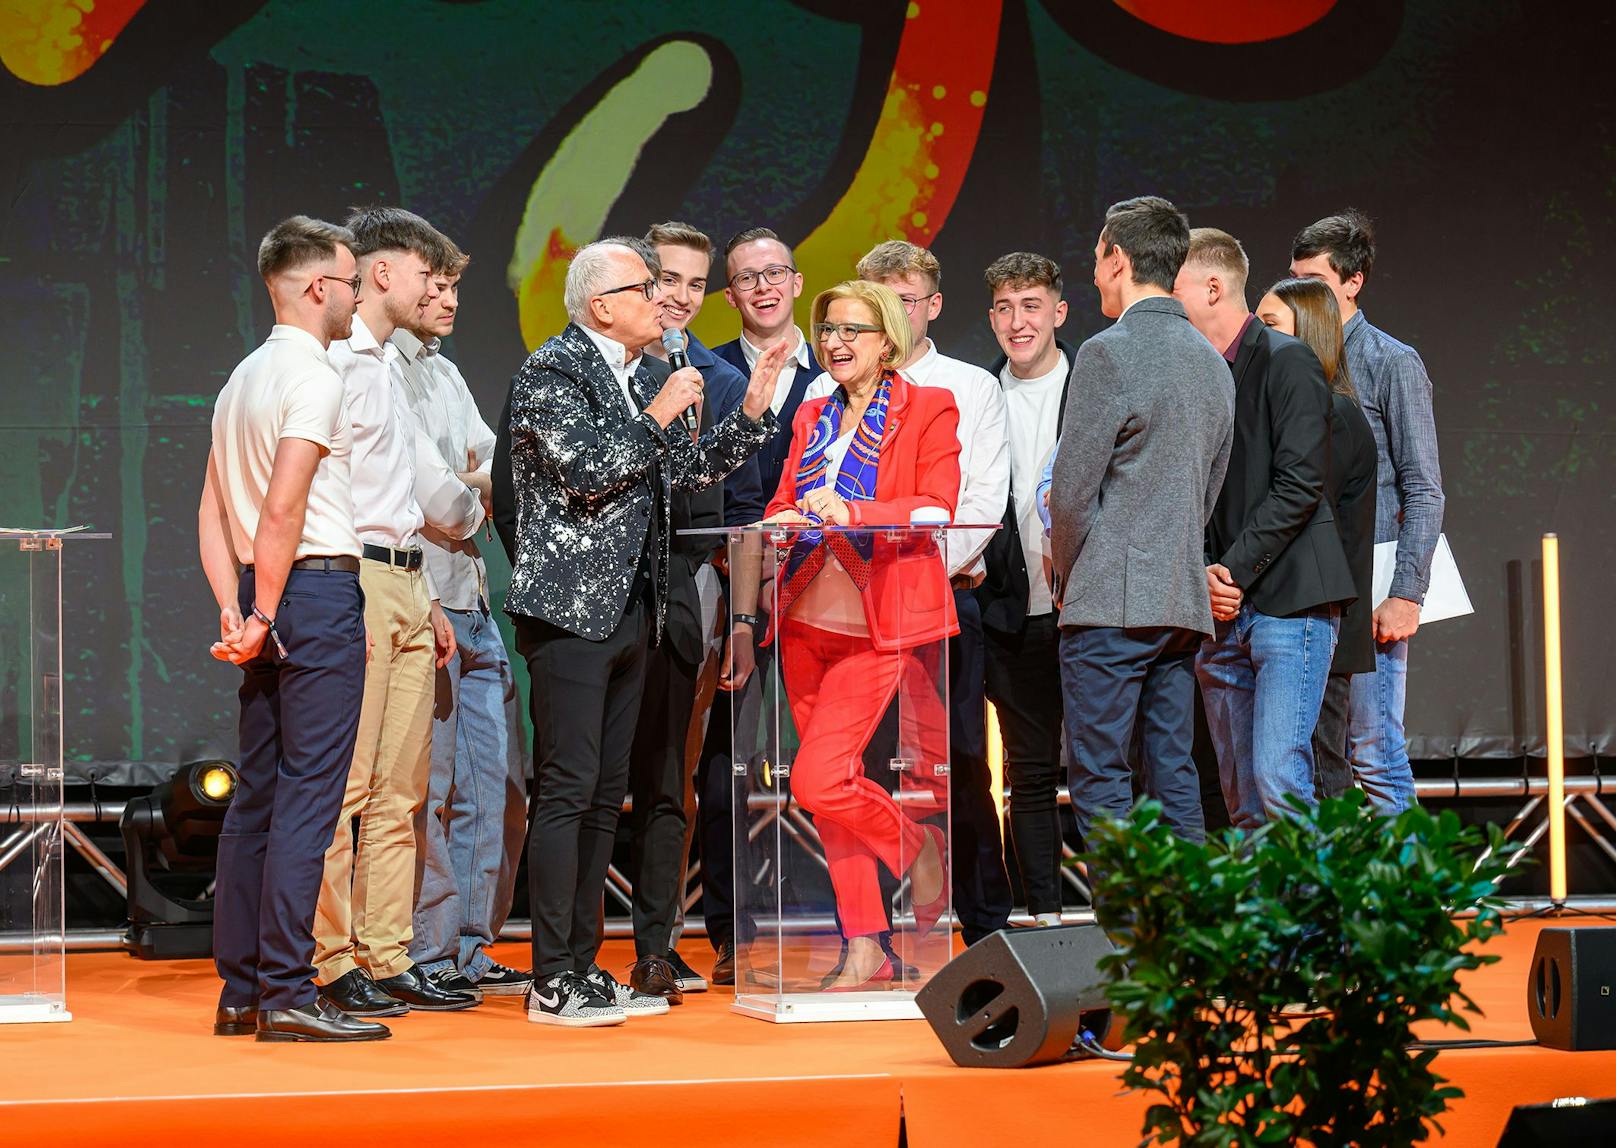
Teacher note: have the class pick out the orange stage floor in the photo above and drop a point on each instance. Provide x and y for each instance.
(138, 1065)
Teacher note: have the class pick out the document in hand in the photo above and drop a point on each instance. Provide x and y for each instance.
(1445, 597)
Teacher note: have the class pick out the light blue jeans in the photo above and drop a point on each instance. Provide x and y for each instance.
(1262, 682)
(472, 827)
(1376, 746)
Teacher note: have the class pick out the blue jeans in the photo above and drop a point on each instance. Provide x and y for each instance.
(1262, 682)
(1376, 746)
(472, 826)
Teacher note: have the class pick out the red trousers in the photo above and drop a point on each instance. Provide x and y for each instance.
(840, 687)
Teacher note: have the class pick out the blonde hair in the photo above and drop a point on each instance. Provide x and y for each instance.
(1221, 252)
(897, 257)
(883, 303)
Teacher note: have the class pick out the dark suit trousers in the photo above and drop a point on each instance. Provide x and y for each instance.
(1119, 681)
(585, 699)
(981, 887)
(1023, 683)
(299, 719)
(715, 802)
(657, 822)
(1332, 772)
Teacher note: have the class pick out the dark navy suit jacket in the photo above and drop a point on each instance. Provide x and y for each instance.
(771, 460)
(726, 389)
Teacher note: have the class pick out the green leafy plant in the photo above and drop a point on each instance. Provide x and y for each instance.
(1358, 919)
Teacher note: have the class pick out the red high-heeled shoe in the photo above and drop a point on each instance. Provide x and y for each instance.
(881, 976)
(927, 915)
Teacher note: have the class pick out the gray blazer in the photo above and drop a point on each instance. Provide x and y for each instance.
(1149, 423)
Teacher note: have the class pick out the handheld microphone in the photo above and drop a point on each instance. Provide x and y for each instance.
(673, 342)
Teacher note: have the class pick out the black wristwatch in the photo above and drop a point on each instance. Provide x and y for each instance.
(750, 619)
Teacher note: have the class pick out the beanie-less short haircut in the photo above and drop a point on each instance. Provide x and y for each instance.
(1347, 240)
(673, 233)
(1022, 269)
(752, 235)
(1154, 233)
(1222, 252)
(896, 258)
(299, 241)
(381, 228)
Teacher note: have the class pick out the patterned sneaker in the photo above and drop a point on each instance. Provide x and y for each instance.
(572, 1001)
(632, 1003)
(690, 981)
(503, 981)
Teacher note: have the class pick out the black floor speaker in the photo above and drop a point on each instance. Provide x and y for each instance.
(1571, 989)
(1019, 997)
(1569, 1123)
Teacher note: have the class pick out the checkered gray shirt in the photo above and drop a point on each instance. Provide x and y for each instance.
(1395, 393)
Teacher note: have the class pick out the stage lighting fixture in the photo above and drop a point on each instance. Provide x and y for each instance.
(1555, 713)
(171, 839)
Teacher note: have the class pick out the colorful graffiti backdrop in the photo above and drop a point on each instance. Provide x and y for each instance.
(149, 145)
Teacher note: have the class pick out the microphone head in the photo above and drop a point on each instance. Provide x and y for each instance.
(673, 339)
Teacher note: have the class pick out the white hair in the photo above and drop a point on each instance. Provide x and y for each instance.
(589, 273)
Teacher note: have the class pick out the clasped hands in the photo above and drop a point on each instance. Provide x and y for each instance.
(241, 640)
(822, 502)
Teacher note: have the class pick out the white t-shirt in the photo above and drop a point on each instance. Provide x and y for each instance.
(285, 389)
(1032, 408)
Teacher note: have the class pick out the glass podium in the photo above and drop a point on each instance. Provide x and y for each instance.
(33, 984)
(840, 771)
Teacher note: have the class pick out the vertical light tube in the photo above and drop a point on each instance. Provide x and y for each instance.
(1555, 717)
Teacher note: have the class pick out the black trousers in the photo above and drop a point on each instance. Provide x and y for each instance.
(981, 887)
(299, 718)
(1332, 772)
(585, 698)
(657, 821)
(1123, 686)
(1023, 683)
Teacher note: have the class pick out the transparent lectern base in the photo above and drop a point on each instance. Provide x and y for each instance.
(32, 1008)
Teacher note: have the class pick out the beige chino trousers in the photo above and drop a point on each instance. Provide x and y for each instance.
(367, 896)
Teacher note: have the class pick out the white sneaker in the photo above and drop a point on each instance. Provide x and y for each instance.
(572, 1001)
(630, 1001)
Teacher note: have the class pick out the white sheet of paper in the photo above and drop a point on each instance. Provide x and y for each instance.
(1444, 598)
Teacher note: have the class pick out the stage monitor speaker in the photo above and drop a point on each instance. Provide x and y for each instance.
(1019, 996)
(1571, 989)
(1568, 1121)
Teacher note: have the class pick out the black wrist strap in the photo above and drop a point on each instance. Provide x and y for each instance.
(274, 634)
(750, 619)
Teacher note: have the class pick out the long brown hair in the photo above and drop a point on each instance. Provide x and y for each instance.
(1318, 324)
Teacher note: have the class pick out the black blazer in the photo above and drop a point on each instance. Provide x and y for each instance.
(693, 510)
(1002, 594)
(772, 458)
(1273, 527)
(1351, 490)
(583, 477)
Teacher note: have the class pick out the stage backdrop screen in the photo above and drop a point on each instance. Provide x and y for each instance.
(148, 146)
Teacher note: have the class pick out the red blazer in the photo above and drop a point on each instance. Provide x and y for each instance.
(908, 601)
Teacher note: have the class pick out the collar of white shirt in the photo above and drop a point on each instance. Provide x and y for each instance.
(617, 358)
(751, 353)
(362, 342)
(921, 369)
(412, 348)
(285, 332)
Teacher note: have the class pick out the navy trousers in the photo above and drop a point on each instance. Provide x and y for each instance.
(299, 718)
(982, 898)
(1119, 681)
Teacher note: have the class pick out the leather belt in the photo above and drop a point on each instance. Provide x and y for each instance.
(344, 562)
(406, 559)
(962, 582)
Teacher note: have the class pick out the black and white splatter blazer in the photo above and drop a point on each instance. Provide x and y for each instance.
(582, 468)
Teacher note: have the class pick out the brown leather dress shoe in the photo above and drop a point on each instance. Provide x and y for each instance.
(654, 976)
(235, 1020)
(724, 967)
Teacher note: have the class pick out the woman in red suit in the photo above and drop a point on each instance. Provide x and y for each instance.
(871, 453)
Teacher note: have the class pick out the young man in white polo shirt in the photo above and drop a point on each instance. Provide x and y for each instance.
(474, 821)
(981, 887)
(277, 542)
(363, 927)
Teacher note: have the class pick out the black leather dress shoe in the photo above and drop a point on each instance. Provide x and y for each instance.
(655, 977)
(235, 1020)
(320, 1022)
(416, 991)
(357, 995)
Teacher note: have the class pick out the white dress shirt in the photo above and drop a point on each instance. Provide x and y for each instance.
(984, 449)
(618, 359)
(285, 389)
(1032, 411)
(788, 371)
(450, 437)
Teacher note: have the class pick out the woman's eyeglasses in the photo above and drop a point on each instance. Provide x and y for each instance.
(846, 332)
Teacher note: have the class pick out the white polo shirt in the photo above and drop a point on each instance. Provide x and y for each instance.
(285, 389)
(984, 449)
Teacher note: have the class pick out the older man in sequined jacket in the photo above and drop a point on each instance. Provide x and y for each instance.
(595, 452)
